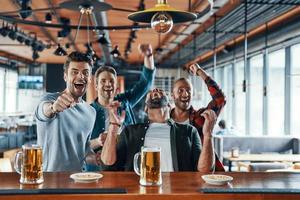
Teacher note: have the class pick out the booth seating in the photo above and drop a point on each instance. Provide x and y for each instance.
(257, 145)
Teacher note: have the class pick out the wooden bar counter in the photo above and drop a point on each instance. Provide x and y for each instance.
(182, 185)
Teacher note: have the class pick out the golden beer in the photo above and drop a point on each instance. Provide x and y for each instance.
(149, 171)
(31, 164)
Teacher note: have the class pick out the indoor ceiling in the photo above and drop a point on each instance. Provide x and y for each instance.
(111, 18)
(185, 43)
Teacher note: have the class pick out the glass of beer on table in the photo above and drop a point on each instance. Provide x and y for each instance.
(149, 168)
(29, 163)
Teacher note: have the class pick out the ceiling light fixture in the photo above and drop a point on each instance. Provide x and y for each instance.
(48, 18)
(26, 10)
(115, 52)
(60, 51)
(13, 33)
(86, 8)
(35, 55)
(162, 16)
(102, 40)
(4, 30)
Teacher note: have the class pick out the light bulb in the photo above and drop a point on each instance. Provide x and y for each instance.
(162, 22)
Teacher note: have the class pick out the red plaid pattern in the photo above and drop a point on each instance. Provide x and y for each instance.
(216, 104)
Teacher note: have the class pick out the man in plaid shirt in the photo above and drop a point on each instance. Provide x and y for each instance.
(184, 112)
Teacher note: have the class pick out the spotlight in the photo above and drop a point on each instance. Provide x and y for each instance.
(20, 37)
(48, 18)
(4, 30)
(35, 55)
(28, 41)
(13, 33)
(40, 47)
(59, 36)
(115, 52)
(26, 10)
(60, 51)
(66, 29)
(103, 40)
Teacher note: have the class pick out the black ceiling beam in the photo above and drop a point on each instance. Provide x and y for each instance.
(60, 26)
(226, 32)
(281, 3)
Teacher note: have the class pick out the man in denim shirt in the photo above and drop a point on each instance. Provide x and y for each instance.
(106, 84)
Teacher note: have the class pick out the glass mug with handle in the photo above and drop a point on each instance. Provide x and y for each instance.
(150, 169)
(29, 163)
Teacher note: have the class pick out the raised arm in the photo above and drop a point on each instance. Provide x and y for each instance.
(207, 158)
(218, 98)
(109, 150)
(145, 82)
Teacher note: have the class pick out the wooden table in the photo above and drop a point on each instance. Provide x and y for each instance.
(183, 186)
(263, 158)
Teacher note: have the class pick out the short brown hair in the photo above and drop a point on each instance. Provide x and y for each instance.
(184, 80)
(105, 69)
(77, 56)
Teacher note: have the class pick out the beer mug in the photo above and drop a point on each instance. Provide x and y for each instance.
(29, 163)
(149, 170)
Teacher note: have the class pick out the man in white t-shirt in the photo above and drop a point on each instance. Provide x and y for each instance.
(180, 143)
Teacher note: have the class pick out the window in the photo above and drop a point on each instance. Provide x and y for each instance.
(198, 84)
(164, 83)
(11, 91)
(227, 89)
(295, 89)
(2, 73)
(256, 95)
(206, 95)
(240, 98)
(276, 93)
(220, 81)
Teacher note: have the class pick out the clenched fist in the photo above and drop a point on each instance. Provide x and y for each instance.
(63, 102)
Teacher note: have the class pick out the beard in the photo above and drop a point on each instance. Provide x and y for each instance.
(182, 105)
(157, 102)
